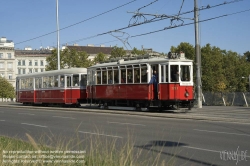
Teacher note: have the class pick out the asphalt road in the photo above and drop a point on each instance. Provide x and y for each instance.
(177, 141)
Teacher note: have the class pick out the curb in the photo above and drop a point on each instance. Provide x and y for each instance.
(145, 114)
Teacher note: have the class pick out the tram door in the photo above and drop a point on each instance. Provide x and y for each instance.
(68, 89)
(17, 90)
(155, 81)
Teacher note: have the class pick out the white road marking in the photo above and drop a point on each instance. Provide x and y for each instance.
(63, 117)
(33, 125)
(26, 114)
(99, 134)
(127, 123)
(2, 120)
(208, 150)
(222, 132)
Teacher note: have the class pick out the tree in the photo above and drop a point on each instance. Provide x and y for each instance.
(187, 48)
(221, 70)
(117, 52)
(100, 57)
(6, 89)
(247, 56)
(69, 59)
(135, 51)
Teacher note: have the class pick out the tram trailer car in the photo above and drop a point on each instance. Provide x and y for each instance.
(60, 87)
(130, 83)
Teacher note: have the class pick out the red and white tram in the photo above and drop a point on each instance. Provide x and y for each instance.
(128, 83)
(66, 86)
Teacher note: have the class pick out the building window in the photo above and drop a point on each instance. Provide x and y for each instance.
(23, 62)
(9, 65)
(1, 65)
(24, 71)
(30, 62)
(41, 64)
(9, 55)
(30, 70)
(10, 76)
(36, 70)
(19, 71)
(19, 63)
(36, 63)
(42, 70)
(1, 55)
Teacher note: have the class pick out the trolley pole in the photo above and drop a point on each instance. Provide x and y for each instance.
(198, 57)
(58, 46)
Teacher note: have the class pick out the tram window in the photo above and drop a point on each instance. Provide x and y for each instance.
(104, 77)
(98, 77)
(136, 75)
(162, 74)
(22, 84)
(45, 82)
(36, 83)
(68, 81)
(50, 81)
(90, 78)
(185, 72)
(123, 75)
(26, 83)
(174, 73)
(40, 82)
(76, 80)
(56, 81)
(129, 74)
(116, 76)
(167, 73)
(110, 77)
(83, 81)
(144, 77)
(31, 83)
(62, 82)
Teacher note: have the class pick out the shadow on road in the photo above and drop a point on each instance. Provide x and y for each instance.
(153, 144)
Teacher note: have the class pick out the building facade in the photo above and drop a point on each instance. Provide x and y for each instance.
(31, 61)
(7, 60)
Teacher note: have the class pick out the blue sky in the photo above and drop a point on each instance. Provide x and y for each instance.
(27, 19)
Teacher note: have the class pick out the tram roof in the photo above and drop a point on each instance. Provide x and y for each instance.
(55, 72)
(158, 60)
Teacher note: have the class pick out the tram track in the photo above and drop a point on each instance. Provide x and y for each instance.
(192, 115)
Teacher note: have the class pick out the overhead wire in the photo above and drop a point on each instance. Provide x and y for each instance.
(159, 19)
(171, 27)
(77, 22)
(202, 8)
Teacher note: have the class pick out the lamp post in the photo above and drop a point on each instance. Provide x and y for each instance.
(248, 82)
(58, 47)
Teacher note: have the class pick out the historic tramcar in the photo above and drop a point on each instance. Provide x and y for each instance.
(62, 87)
(129, 83)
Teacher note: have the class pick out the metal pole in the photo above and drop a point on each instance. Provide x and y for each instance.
(58, 46)
(198, 56)
(249, 83)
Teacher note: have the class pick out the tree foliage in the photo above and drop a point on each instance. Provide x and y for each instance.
(6, 89)
(247, 56)
(100, 57)
(135, 51)
(221, 70)
(68, 59)
(117, 52)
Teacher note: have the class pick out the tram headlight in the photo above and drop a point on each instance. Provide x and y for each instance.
(186, 94)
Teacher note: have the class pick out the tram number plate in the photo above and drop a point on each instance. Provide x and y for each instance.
(175, 88)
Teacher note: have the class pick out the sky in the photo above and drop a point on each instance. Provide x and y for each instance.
(32, 23)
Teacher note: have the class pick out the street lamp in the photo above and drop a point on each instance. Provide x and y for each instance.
(248, 82)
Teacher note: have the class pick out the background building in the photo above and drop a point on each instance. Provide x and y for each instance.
(31, 61)
(7, 60)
